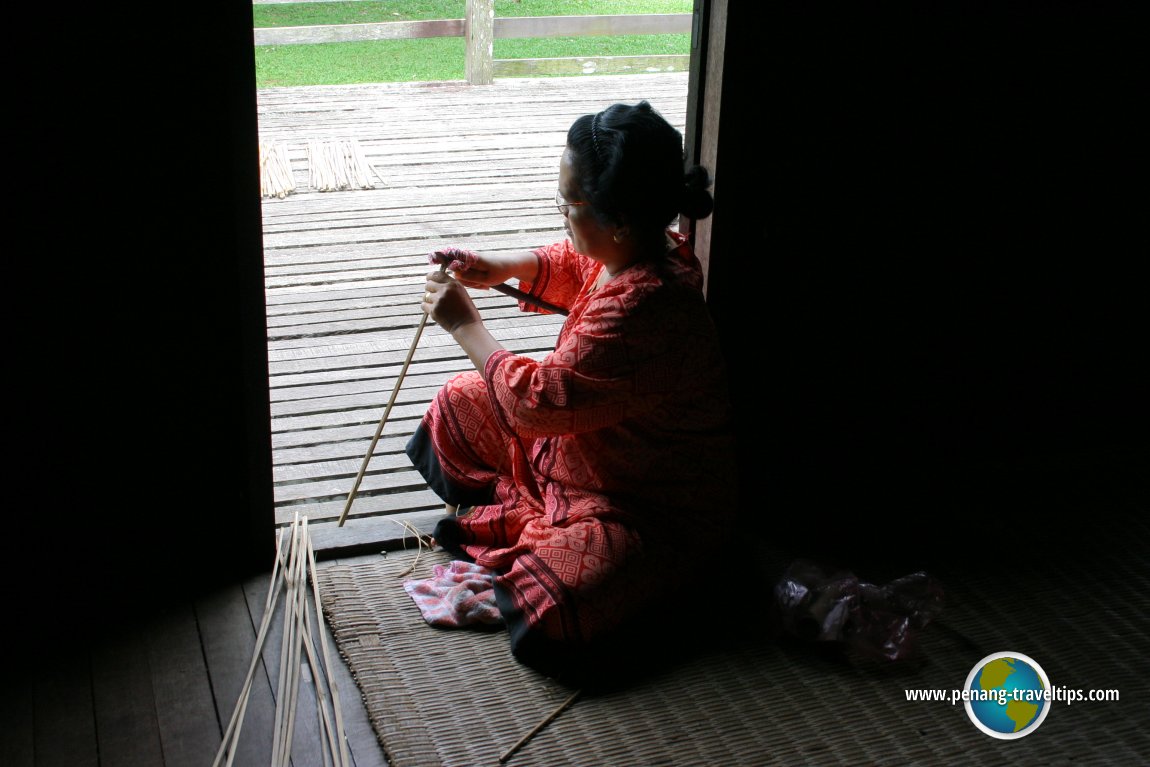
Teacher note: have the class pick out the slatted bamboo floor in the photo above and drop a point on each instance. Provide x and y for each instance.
(473, 167)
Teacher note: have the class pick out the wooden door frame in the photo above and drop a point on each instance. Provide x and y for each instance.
(704, 99)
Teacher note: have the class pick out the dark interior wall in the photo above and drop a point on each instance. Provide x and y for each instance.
(925, 256)
(140, 396)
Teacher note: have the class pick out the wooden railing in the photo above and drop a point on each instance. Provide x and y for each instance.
(480, 28)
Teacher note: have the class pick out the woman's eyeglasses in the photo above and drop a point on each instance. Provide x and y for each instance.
(563, 205)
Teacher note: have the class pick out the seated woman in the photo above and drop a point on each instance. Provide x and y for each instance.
(597, 482)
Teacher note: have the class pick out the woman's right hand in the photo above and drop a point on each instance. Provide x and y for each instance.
(447, 302)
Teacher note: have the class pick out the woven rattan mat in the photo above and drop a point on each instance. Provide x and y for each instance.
(458, 698)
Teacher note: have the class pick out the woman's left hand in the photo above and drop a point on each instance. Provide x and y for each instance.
(448, 303)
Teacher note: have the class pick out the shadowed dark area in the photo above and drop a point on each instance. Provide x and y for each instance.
(929, 286)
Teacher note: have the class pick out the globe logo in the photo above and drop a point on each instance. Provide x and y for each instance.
(1007, 695)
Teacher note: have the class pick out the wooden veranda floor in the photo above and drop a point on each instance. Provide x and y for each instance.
(474, 167)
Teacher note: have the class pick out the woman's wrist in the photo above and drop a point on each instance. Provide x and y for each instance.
(459, 326)
(474, 338)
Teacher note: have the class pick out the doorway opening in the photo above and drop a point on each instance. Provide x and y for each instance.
(361, 182)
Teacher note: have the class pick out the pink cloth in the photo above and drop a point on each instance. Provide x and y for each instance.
(457, 259)
(459, 594)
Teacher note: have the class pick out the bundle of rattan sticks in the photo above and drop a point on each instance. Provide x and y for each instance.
(338, 165)
(303, 629)
(275, 171)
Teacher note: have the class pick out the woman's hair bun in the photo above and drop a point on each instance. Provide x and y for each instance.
(697, 199)
(630, 167)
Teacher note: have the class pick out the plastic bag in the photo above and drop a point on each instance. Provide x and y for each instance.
(834, 606)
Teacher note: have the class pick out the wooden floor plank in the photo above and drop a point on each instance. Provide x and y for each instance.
(17, 744)
(65, 722)
(381, 383)
(364, 505)
(287, 383)
(379, 353)
(540, 216)
(127, 728)
(328, 436)
(189, 727)
(372, 293)
(390, 443)
(229, 643)
(340, 470)
(387, 351)
(322, 487)
(357, 441)
(360, 536)
(400, 212)
(372, 357)
(395, 344)
(406, 254)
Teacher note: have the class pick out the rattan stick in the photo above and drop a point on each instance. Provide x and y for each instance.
(535, 730)
(351, 162)
(311, 171)
(339, 164)
(301, 628)
(283, 175)
(378, 175)
(303, 625)
(339, 151)
(333, 686)
(277, 729)
(275, 171)
(386, 412)
(527, 298)
(332, 160)
(419, 552)
(286, 701)
(323, 171)
(283, 681)
(329, 169)
(323, 697)
(298, 609)
(278, 746)
(365, 167)
(327, 173)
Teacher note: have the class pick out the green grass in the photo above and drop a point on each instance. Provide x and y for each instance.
(307, 14)
(436, 59)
